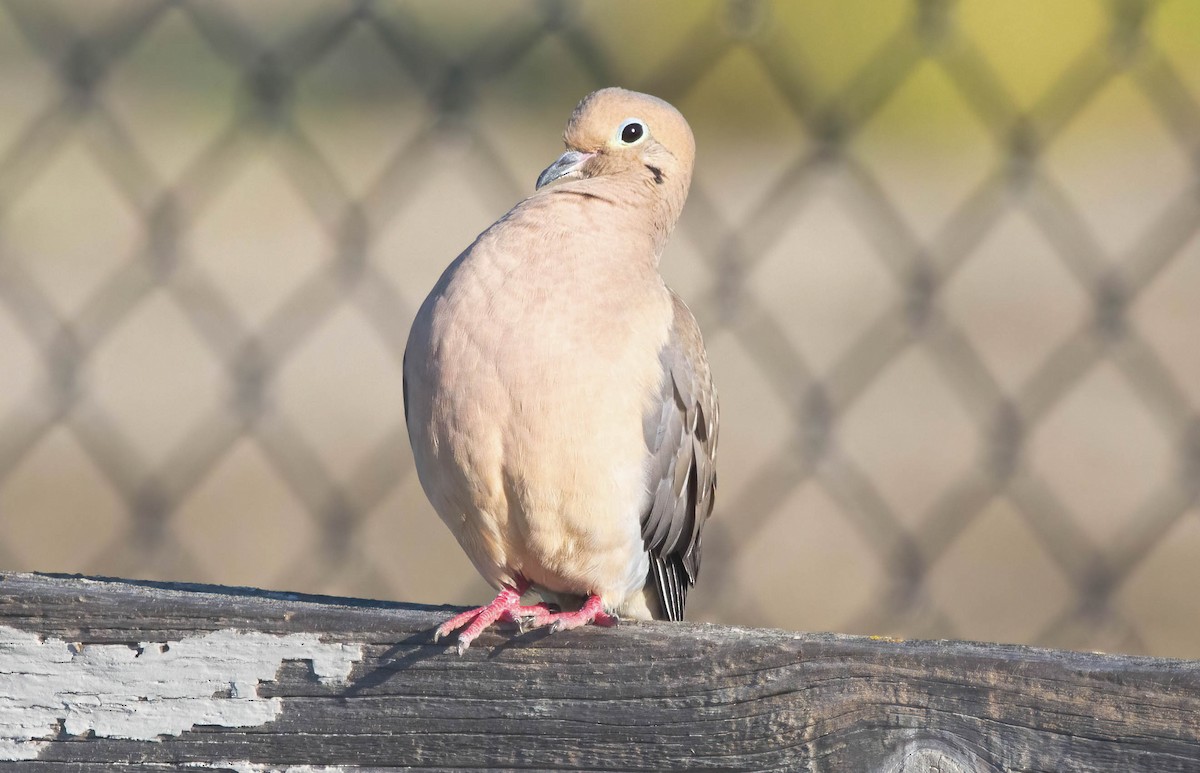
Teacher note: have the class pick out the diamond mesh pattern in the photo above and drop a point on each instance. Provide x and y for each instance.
(950, 297)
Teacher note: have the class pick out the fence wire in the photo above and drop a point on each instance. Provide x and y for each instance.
(183, 353)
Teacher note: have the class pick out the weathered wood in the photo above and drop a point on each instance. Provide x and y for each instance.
(256, 681)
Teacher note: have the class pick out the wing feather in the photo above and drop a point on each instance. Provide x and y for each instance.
(681, 434)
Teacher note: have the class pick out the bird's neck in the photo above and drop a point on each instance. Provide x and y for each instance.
(631, 204)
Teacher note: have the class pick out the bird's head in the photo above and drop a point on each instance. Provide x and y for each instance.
(614, 132)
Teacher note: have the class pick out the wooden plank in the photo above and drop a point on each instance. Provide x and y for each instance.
(245, 680)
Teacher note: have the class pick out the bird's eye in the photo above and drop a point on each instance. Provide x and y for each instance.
(631, 131)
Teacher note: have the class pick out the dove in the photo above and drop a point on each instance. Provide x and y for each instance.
(557, 393)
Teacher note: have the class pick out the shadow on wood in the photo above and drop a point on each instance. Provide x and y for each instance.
(125, 675)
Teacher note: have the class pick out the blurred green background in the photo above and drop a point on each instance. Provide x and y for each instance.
(944, 255)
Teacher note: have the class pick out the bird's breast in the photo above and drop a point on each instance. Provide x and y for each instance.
(538, 378)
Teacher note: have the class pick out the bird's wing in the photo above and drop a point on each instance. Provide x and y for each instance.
(404, 383)
(681, 433)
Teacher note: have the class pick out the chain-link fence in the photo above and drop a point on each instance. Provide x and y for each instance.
(944, 254)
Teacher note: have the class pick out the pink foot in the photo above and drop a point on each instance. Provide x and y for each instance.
(592, 611)
(531, 616)
(478, 619)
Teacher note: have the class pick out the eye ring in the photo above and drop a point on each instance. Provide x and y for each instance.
(632, 131)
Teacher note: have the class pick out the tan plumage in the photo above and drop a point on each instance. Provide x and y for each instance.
(558, 397)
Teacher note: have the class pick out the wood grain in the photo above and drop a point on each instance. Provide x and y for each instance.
(647, 696)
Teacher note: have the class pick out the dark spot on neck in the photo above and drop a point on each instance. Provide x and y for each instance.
(658, 174)
(584, 194)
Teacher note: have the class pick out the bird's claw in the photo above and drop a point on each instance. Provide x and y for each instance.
(476, 620)
(602, 619)
(592, 612)
(507, 607)
(533, 616)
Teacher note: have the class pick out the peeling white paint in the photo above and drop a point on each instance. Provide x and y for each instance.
(20, 750)
(257, 767)
(154, 689)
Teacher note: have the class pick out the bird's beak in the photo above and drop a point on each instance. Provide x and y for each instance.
(567, 163)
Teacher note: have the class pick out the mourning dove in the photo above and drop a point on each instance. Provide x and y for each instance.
(558, 397)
